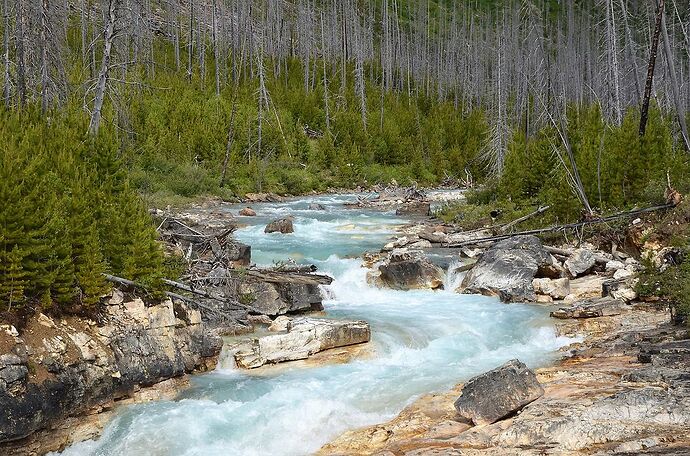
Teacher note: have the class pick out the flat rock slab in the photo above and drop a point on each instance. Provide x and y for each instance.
(602, 307)
(498, 393)
(304, 337)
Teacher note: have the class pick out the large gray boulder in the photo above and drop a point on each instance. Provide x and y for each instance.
(407, 271)
(283, 225)
(507, 269)
(304, 337)
(498, 393)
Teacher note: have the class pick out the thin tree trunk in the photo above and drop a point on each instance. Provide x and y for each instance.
(680, 110)
(216, 54)
(650, 69)
(44, 54)
(325, 80)
(102, 84)
(6, 56)
(21, 69)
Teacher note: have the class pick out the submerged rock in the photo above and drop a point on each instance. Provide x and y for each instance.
(316, 207)
(304, 337)
(248, 212)
(508, 268)
(283, 225)
(498, 393)
(406, 271)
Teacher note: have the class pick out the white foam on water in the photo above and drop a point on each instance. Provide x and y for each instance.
(422, 341)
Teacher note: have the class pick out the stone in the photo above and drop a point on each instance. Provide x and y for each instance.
(280, 324)
(602, 307)
(496, 394)
(623, 288)
(544, 299)
(116, 298)
(622, 274)
(259, 319)
(283, 226)
(247, 212)
(555, 288)
(238, 254)
(407, 271)
(304, 337)
(507, 269)
(316, 207)
(614, 265)
(280, 298)
(580, 262)
(416, 208)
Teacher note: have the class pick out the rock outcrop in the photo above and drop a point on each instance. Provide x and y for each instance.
(56, 369)
(283, 225)
(405, 270)
(304, 337)
(498, 393)
(507, 269)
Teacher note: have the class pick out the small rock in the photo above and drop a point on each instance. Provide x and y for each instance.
(622, 274)
(554, 288)
(46, 321)
(247, 212)
(116, 297)
(283, 226)
(580, 262)
(544, 299)
(498, 393)
(259, 319)
(316, 207)
(419, 208)
(280, 324)
(614, 265)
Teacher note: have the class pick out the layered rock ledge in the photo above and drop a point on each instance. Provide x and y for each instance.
(58, 369)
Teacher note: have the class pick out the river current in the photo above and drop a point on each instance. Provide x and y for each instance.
(422, 341)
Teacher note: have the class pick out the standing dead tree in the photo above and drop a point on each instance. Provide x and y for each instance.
(650, 68)
(109, 35)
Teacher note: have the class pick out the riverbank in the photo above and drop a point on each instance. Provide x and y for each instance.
(603, 397)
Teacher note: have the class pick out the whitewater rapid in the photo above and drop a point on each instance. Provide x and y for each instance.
(422, 341)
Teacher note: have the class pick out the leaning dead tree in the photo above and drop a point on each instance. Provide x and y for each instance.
(650, 67)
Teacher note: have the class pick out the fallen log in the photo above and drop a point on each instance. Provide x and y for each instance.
(517, 221)
(556, 228)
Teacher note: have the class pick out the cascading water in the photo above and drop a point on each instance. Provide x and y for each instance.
(422, 341)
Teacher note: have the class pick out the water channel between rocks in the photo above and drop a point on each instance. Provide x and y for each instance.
(422, 341)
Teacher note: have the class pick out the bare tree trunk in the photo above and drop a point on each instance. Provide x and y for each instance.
(43, 13)
(325, 80)
(680, 110)
(231, 128)
(102, 84)
(6, 55)
(630, 51)
(650, 69)
(21, 61)
(190, 45)
(216, 54)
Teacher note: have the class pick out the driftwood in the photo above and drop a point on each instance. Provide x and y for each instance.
(130, 283)
(553, 229)
(517, 221)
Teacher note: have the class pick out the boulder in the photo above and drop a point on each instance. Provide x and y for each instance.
(498, 393)
(248, 212)
(580, 262)
(420, 208)
(406, 271)
(555, 288)
(304, 337)
(316, 207)
(623, 288)
(507, 269)
(280, 298)
(283, 225)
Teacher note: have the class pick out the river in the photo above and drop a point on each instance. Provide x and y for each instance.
(422, 341)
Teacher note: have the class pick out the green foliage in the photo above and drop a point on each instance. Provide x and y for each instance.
(672, 286)
(68, 215)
